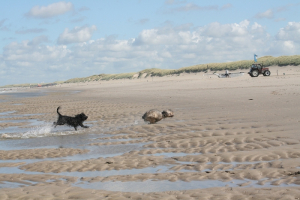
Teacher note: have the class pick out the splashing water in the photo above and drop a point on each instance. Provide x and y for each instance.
(39, 131)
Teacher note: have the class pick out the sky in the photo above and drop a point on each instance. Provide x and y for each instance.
(47, 41)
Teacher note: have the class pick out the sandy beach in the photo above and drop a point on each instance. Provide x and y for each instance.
(230, 138)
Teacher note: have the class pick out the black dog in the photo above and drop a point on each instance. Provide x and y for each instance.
(71, 121)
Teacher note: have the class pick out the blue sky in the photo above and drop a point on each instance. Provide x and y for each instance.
(46, 41)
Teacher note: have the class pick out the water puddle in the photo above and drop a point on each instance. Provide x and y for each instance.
(171, 154)
(6, 117)
(153, 186)
(163, 185)
(16, 170)
(235, 165)
(187, 163)
(19, 94)
(16, 115)
(6, 184)
(221, 166)
(59, 137)
(105, 173)
(115, 140)
(104, 151)
(17, 129)
(227, 166)
(151, 170)
(6, 114)
(144, 186)
(77, 141)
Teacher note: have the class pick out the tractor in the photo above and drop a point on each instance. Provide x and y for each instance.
(257, 69)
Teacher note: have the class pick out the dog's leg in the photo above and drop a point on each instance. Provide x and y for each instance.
(83, 126)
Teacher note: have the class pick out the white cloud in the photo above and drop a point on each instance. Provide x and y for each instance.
(143, 21)
(80, 19)
(289, 44)
(283, 48)
(2, 22)
(226, 6)
(31, 30)
(27, 63)
(30, 51)
(258, 30)
(2, 26)
(267, 14)
(270, 14)
(51, 10)
(191, 7)
(83, 8)
(279, 19)
(38, 40)
(218, 30)
(171, 2)
(290, 33)
(286, 7)
(77, 35)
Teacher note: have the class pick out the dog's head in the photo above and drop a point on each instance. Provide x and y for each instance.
(167, 113)
(82, 117)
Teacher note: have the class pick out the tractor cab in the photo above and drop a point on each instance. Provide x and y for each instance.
(257, 66)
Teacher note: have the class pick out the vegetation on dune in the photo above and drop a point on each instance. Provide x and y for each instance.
(119, 76)
(17, 85)
(243, 64)
(32, 84)
(101, 77)
(157, 72)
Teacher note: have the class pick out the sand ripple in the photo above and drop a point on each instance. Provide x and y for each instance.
(39, 153)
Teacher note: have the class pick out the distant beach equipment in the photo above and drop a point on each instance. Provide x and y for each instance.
(229, 75)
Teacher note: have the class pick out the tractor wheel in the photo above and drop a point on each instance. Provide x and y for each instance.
(267, 73)
(254, 73)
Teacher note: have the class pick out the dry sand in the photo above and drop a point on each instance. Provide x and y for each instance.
(242, 133)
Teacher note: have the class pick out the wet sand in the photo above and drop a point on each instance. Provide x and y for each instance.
(230, 138)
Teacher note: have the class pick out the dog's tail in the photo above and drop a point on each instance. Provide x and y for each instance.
(58, 110)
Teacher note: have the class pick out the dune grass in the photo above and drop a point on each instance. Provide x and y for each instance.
(104, 77)
(243, 64)
(18, 85)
